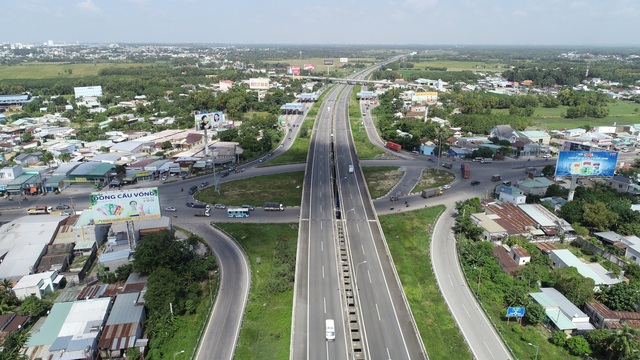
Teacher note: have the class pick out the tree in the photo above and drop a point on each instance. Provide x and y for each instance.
(47, 157)
(164, 292)
(548, 170)
(159, 250)
(599, 216)
(620, 297)
(578, 346)
(575, 287)
(34, 307)
(625, 343)
(64, 157)
(26, 137)
(599, 340)
(572, 211)
(559, 338)
(167, 145)
(535, 314)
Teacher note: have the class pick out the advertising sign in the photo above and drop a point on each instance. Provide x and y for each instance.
(209, 120)
(344, 60)
(425, 97)
(289, 70)
(309, 67)
(295, 70)
(259, 83)
(586, 163)
(328, 62)
(122, 205)
(515, 312)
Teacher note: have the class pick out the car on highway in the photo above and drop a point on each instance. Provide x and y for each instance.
(248, 207)
(546, 156)
(220, 206)
(63, 207)
(475, 182)
(65, 213)
(193, 189)
(446, 187)
(170, 208)
(204, 183)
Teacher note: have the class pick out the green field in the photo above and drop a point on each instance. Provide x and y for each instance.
(408, 235)
(57, 70)
(284, 188)
(431, 179)
(458, 65)
(364, 147)
(266, 327)
(298, 151)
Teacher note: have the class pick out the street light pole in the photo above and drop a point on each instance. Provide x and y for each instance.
(537, 347)
(358, 264)
(179, 352)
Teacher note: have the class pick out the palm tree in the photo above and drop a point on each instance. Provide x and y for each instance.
(625, 343)
(7, 285)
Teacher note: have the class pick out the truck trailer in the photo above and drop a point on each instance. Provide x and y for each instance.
(393, 146)
(431, 192)
(466, 170)
(273, 206)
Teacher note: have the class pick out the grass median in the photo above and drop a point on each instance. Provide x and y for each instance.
(364, 147)
(408, 235)
(284, 188)
(298, 151)
(271, 249)
(432, 179)
(381, 179)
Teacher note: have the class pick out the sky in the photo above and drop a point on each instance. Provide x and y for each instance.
(340, 22)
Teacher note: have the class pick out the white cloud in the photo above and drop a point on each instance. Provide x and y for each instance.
(420, 5)
(88, 5)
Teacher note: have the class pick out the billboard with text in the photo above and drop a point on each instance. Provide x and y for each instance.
(259, 83)
(344, 60)
(425, 97)
(122, 205)
(295, 70)
(309, 67)
(586, 163)
(328, 62)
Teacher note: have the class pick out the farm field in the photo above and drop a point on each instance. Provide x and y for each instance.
(57, 70)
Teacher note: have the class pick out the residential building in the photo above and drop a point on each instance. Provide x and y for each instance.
(535, 186)
(604, 318)
(37, 285)
(602, 277)
(623, 185)
(535, 136)
(124, 327)
(84, 91)
(511, 195)
(562, 313)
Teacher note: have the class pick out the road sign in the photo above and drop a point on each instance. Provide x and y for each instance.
(515, 312)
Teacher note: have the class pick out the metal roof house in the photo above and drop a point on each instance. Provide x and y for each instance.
(564, 258)
(124, 326)
(564, 315)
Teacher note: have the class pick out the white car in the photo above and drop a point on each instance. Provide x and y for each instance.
(446, 187)
(546, 156)
(170, 208)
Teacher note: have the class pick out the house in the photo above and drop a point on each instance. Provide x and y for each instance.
(505, 132)
(506, 262)
(37, 285)
(535, 186)
(562, 313)
(70, 331)
(491, 230)
(511, 195)
(602, 277)
(574, 132)
(623, 185)
(537, 137)
(604, 318)
(124, 327)
(520, 255)
(28, 158)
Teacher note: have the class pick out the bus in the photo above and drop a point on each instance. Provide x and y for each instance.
(237, 212)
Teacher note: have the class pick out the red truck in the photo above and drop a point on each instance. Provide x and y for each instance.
(466, 170)
(393, 146)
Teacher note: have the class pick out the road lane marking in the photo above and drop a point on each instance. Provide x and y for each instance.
(388, 354)
(324, 301)
(358, 227)
(465, 310)
(450, 280)
(488, 349)
(323, 271)
(362, 246)
(378, 311)
(321, 225)
(321, 245)
(369, 273)
(327, 346)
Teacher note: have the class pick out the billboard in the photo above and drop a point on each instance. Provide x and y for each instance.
(289, 71)
(586, 163)
(309, 67)
(425, 97)
(344, 60)
(259, 83)
(295, 70)
(207, 120)
(122, 205)
(328, 62)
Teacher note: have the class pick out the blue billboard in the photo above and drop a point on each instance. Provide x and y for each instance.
(586, 163)
(515, 312)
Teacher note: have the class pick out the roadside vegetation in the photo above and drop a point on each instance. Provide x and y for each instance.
(432, 179)
(381, 179)
(408, 236)
(271, 250)
(284, 188)
(364, 147)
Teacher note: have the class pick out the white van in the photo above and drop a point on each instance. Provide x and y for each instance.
(330, 330)
(351, 169)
